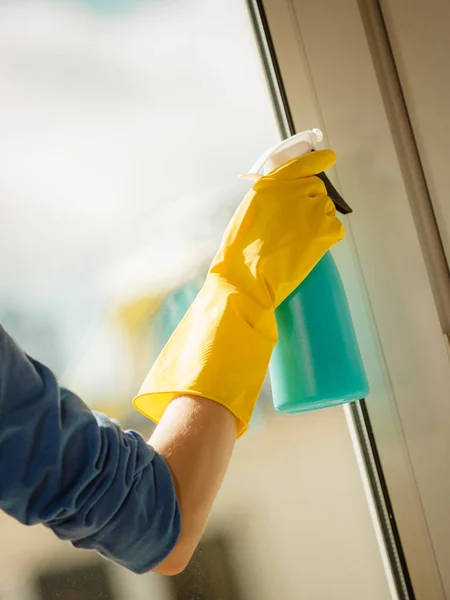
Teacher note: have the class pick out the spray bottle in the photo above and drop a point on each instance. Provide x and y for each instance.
(316, 362)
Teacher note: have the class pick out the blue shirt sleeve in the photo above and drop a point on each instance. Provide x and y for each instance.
(78, 472)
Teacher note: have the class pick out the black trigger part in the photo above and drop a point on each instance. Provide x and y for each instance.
(339, 202)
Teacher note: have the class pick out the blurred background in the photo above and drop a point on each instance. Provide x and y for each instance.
(124, 126)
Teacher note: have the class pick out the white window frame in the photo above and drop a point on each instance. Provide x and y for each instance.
(331, 81)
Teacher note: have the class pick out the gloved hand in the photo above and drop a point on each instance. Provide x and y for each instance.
(222, 348)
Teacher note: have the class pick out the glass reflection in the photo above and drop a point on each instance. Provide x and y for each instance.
(124, 126)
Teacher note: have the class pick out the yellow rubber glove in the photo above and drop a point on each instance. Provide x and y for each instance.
(222, 348)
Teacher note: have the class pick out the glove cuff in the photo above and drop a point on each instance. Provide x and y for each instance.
(214, 353)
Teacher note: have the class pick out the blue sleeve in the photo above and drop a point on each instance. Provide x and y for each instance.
(77, 472)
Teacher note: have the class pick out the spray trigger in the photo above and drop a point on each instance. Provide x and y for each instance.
(339, 202)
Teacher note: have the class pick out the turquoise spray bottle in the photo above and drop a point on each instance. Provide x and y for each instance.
(316, 362)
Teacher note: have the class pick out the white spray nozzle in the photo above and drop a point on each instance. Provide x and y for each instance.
(293, 147)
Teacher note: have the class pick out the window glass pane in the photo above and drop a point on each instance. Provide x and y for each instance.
(124, 126)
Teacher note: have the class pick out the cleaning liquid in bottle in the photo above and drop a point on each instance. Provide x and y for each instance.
(316, 362)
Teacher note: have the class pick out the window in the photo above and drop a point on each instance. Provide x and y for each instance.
(124, 127)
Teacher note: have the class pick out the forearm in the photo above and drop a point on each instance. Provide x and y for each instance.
(196, 438)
